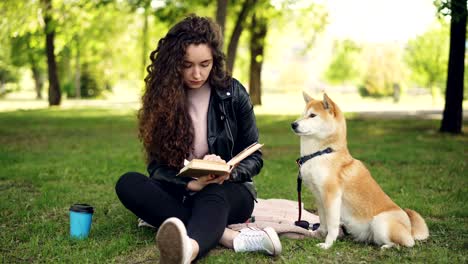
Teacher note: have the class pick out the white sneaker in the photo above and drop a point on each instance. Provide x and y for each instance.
(173, 243)
(266, 241)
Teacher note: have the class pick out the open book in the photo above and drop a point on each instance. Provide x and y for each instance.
(198, 167)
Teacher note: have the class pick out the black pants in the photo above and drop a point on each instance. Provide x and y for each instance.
(205, 214)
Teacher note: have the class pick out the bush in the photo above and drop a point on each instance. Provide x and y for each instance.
(376, 85)
(90, 85)
(8, 74)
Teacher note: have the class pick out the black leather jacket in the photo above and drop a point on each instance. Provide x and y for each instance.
(231, 128)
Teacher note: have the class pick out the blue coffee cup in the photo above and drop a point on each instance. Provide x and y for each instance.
(81, 216)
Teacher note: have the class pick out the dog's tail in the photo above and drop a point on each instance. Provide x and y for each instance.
(419, 229)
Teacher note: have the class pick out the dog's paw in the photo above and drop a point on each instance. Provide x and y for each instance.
(385, 247)
(324, 245)
(391, 245)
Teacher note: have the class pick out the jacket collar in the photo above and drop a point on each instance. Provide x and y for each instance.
(224, 93)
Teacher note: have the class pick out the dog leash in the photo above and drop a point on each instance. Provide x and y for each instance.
(302, 223)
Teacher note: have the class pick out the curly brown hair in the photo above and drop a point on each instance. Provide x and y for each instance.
(165, 126)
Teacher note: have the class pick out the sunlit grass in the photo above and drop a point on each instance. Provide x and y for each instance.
(53, 158)
(290, 103)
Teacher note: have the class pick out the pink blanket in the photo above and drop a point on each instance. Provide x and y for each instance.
(280, 214)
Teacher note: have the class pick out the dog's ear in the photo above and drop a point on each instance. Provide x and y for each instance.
(306, 96)
(329, 105)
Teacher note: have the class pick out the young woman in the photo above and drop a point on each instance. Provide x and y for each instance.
(193, 109)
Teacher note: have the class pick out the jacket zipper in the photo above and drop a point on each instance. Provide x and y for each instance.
(228, 128)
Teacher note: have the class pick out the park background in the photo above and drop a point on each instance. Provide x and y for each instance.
(68, 114)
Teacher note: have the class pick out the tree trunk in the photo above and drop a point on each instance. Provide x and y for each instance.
(37, 80)
(221, 12)
(77, 69)
(433, 89)
(49, 28)
(36, 71)
(144, 42)
(2, 88)
(257, 43)
(453, 112)
(236, 33)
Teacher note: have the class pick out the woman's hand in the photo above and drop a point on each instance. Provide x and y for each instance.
(200, 183)
(220, 178)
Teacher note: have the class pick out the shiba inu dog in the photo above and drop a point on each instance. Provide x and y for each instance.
(344, 190)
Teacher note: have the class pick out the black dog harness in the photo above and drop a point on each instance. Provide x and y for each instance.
(302, 223)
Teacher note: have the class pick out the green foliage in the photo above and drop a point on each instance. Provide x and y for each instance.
(384, 70)
(344, 65)
(303, 23)
(21, 39)
(89, 44)
(91, 84)
(18, 18)
(88, 149)
(427, 56)
(445, 8)
(8, 73)
(311, 21)
(28, 49)
(107, 35)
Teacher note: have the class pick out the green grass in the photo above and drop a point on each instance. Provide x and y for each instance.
(50, 159)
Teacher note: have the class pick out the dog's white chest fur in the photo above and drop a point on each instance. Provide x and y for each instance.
(314, 172)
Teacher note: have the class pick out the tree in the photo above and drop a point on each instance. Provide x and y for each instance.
(383, 69)
(87, 58)
(146, 10)
(452, 119)
(264, 14)
(20, 30)
(257, 45)
(28, 50)
(343, 66)
(246, 8)
(221, 12)
(427, 56)
(144, 36)
(164, 12)
(49, 30)
(7, 74)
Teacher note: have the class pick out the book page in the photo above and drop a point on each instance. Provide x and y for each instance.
(199, 172)
(198, 167)
(245, 153)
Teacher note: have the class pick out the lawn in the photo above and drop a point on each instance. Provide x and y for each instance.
(53, 158)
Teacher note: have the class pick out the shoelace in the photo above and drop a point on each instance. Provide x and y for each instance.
(253, 239)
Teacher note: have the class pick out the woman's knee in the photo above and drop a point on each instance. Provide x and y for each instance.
(213, 192)
(127, 183)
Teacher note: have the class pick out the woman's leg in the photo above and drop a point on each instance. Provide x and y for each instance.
(154, 202)
(151, 200)
(206, 216)
(227, 239)
(213, 209)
